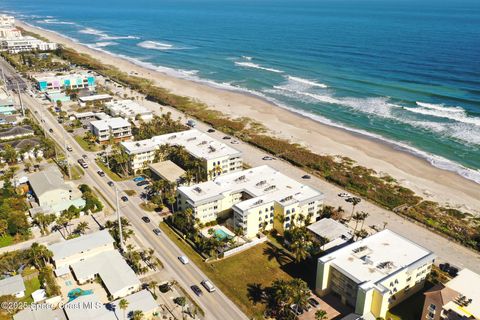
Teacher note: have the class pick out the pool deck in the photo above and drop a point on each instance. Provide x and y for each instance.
(65, 289)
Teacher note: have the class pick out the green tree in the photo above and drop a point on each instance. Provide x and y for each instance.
(39, 254)
(3, 227)
(123, 304)
(9, 154)
(137, 315)
(82, 227)
(321, 315)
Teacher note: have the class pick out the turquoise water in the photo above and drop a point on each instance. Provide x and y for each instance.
(77, 292)
(405, 72)
(221, 235)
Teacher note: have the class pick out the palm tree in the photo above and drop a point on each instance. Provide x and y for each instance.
(365, 215)
(39, 253)
(152, 285)
(82, 227)
(299, 293)
(123, 304)
(299, 249)
(357, 217)
(354, 201)
(321, 315)
(137, 315)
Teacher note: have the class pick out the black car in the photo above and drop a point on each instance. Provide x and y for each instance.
(306, 177)
(197, 290)
(142, 183)
(84, 156)
(314, 303)
(156, 231)
(101, 173)
(110, 183)
(210, 130)
(146, 219)
(50, 130)
(227, 138)
(124, 198)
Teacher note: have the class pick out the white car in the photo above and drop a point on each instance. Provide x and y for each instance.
(344, 195)
(183, 259)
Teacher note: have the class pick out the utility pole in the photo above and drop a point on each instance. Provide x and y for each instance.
(120, 234)
(67, 156)
(20, 99)
(5, 83)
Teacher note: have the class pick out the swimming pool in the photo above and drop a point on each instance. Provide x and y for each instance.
(77, 292)
(222, 235)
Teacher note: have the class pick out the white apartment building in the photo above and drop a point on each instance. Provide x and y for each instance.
(6, 20)
(218, 158)
(128, 109)
(374, 274)
(9, 33)
(50, 82)
(260, 198)
(118, 128)
(26, 43)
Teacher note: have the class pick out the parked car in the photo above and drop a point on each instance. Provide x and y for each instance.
(306, 176)
(314, 303)
(235, 142)
(138, 179)
(344, 195)
(110, 183)
(146, 219)
(84, 165)
(142, 183)
(227, 138)
(124, 198)
(183, 259)
(50, 130)
(69, 149)
(101, 173)
(211, 130)
(156, 231)
(268, 158)
(196, 289)
(208, 285)
(80, 161)
(191, 123)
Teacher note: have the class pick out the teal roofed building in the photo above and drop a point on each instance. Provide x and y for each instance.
(49, 83)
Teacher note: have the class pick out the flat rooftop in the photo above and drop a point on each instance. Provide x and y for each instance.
(198, 144)
(142, 301)
(88, 307)
(11, 285)
(110, 123)
(467, 283)
(53, 77)
(330, 229)
(263, 184)
(372, 259)
(126, 107)
(95, 97)
(167, 170)
(81, 244)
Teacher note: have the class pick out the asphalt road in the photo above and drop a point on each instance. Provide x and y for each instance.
(216, 305)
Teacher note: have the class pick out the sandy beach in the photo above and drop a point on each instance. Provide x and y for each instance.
(415, 173)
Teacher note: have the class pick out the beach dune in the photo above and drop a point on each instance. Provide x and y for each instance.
(415, 173)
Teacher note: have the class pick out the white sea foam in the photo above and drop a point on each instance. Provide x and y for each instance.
(161, 46)
(55, 21)
(311, 83)
(102, 35)
(247, 58)
(256, 66)
(105, 44)
(460, 116)
(440, 107)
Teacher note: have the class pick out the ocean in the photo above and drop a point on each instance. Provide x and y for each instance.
(405, 72)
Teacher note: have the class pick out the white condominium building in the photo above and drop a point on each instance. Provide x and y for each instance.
(27, 43)
(260, 198)
(128, 109)
(9, 33)
(51, 82)
(217, 157)
(374, 274)
(6, 20)
(117, 128)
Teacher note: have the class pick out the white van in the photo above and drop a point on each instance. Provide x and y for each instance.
(208, 285)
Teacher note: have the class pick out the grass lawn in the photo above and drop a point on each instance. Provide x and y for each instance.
(85, 145)
(410, 309)
(241, 275)
(76, 172)
(6, 241)
(112, 175)
(30, 285)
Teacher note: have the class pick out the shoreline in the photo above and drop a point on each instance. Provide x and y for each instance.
(412, 171)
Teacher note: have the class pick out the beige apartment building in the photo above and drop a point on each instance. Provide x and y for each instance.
(374, 274)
